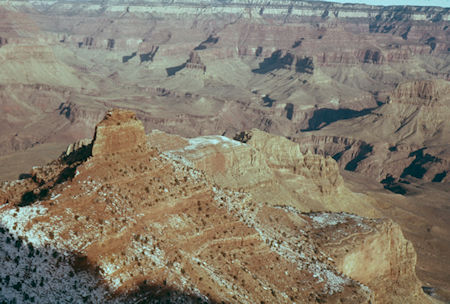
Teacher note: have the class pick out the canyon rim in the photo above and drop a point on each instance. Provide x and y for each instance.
(236, 151)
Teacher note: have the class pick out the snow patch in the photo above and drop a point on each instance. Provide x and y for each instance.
(199, 142)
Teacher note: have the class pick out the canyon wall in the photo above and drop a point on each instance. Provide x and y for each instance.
(152, 227)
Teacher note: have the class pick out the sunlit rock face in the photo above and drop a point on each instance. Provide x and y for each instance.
(394, 141)
(270, 167)
(362, 91)
(152, 226)
(119, 132)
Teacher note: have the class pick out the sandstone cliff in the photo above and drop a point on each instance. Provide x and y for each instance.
(119, 132)
(275, 66)
(381, 258)
(270, 167)
(406, 137)
(153, 227)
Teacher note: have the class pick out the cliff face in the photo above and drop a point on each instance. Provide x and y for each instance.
(119, 132)
(271, 168)
(395, 139)
(152, 227)
(422, 92)
(409, 24)
(379, 256)
(269, 65)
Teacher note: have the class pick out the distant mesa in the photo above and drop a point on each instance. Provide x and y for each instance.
(194, 62)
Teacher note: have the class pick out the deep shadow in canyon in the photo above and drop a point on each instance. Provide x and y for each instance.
(325, 116)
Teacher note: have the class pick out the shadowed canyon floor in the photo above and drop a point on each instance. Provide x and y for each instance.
(363, 90)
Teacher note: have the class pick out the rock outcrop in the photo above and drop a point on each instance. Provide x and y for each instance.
(379, 256)
(271, 168)
(422, 92)
(194, 62)
(395, 139)
(78, 145)
(119, 132)
(153, 227)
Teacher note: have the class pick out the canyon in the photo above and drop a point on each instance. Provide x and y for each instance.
(289, 108)
(123, 221)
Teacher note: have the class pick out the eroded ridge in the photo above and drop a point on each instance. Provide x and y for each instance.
(151, 227)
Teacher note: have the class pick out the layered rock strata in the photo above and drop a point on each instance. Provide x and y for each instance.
(405, 138)
(154, 228)
(270, 167)
(119, 132)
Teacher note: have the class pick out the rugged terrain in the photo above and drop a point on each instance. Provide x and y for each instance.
(364, 85)
(405, 138)
(215, 68)
(117, 220)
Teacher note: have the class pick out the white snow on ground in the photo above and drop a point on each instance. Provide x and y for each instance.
(177, 158)
(53, 197)
(198, 142)
(193, 150)
(292, 249)
(11, 183)
(32, 274)
(328, 219)
(15, 221)
(61, 284)
(324, 219)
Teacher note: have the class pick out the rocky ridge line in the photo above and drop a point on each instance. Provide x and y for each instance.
(146, 219)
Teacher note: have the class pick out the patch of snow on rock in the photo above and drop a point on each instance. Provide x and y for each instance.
(198, 142)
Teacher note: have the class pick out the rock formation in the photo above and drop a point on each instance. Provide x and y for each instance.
(365, 85)
(194, 62)
(382, 255)
(119, 132)
(154, 228)
(78, 145)
(394, 140)
(286, 60)
(272, 169)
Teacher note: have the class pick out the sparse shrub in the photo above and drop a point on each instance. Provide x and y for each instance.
(18, 286)
(18, 243)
